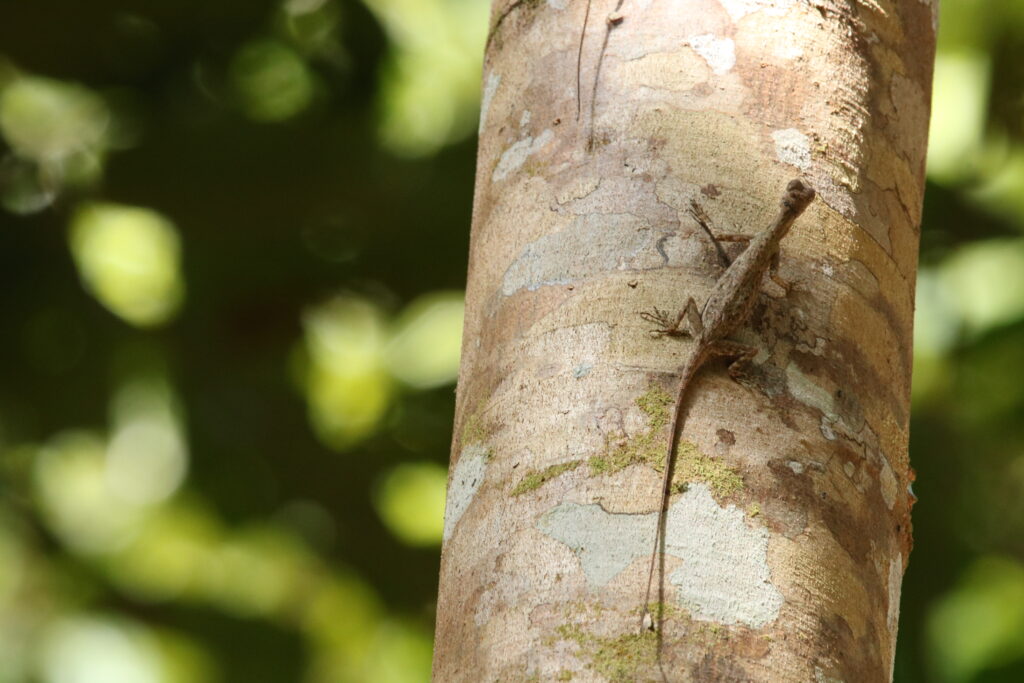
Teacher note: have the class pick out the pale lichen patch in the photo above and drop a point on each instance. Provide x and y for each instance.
(895, 589)
(491, 84)
(719, 53)
(821, 677)
(725, 576)
(466, 479)
(605, 543)
(887, 482)
(793, 147)
(515, 156)
(803, 388)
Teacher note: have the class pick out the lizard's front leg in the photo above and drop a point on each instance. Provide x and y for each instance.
(773, 273)
(698, 214)
(666, 327)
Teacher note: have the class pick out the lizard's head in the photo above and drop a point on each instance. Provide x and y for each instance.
(798, 195)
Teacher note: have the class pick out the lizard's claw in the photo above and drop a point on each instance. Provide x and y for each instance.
(659, 318)
(667, 326)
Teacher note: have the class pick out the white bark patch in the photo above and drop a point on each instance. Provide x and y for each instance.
(466, 479)
(719, 53)
(803, 389)
(793, 147)
(738, 9)
(516, 155)
(524, 120)
(788, 50)
(821, 677)
(826, 428)
(491, 84)
(724, 577)
(895, 588)
(887, 482)
(589, 246)
(557, 4)
(797, 467)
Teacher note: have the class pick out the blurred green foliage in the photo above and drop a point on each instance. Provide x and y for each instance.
(232, 247)
(232, 251)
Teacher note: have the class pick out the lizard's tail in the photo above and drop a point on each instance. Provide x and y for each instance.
(689, 370)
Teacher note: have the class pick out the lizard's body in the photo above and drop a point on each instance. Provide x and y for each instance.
(727, 308)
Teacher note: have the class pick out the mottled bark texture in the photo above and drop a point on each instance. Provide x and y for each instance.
(789, 530)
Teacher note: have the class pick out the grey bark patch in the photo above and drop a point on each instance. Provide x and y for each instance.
(466, 479)
(724, 577)
(591, 245)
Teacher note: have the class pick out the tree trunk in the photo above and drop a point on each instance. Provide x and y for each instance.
(789, 527)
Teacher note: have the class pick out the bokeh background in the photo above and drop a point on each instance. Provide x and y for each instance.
(233, 238)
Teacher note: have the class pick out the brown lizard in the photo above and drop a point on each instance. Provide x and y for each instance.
(726, 310)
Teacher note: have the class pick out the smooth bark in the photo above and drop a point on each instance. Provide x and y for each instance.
(790, 531)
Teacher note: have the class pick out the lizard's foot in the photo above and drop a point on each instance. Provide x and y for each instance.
(785, 284)
(666, 326)
(739, 370)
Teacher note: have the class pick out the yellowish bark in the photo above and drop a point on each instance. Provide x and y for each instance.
(790, 531)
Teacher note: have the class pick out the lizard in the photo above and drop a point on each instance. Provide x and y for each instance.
(727, 308)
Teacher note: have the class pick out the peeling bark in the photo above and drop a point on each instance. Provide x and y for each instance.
(788, 538)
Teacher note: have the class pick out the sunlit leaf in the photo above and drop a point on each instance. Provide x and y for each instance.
(78, 505)
(985, 281)
(129, 259)
(167, 559)
(424, 350)
(48, 120)
(147, 457)
(98, 650)
(400, 652)
(312, 26)
(24, 186)
(431, 84)
(272, 82)
(959, 108)
(346, 385)
(980, 623)
(411, 502)
(340, 623)
(271, 563)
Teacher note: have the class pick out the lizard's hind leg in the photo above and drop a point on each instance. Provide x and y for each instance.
(741, 355)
